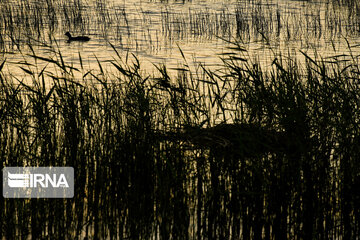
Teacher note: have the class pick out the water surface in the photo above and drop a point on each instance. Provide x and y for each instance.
(158, 32)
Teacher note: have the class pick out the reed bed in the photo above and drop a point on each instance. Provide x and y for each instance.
(238, 153)
(32, 22)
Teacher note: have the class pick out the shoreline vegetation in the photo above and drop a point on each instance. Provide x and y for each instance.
(250, 150)
(239, 153)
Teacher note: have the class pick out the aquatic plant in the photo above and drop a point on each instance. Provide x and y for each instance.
(236, 153)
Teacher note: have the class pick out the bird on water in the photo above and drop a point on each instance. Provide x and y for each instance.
(78, 38)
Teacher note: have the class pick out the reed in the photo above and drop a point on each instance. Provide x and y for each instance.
(26, 21)
(236, 153)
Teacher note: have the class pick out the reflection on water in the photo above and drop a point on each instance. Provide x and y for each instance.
(155, 30)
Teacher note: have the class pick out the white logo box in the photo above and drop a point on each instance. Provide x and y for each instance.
(38, 182)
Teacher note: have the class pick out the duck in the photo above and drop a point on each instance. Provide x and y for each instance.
(78, 38)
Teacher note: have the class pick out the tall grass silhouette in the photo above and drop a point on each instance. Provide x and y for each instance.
(240, 153)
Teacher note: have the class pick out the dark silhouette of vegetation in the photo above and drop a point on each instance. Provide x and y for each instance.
(236, 154)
